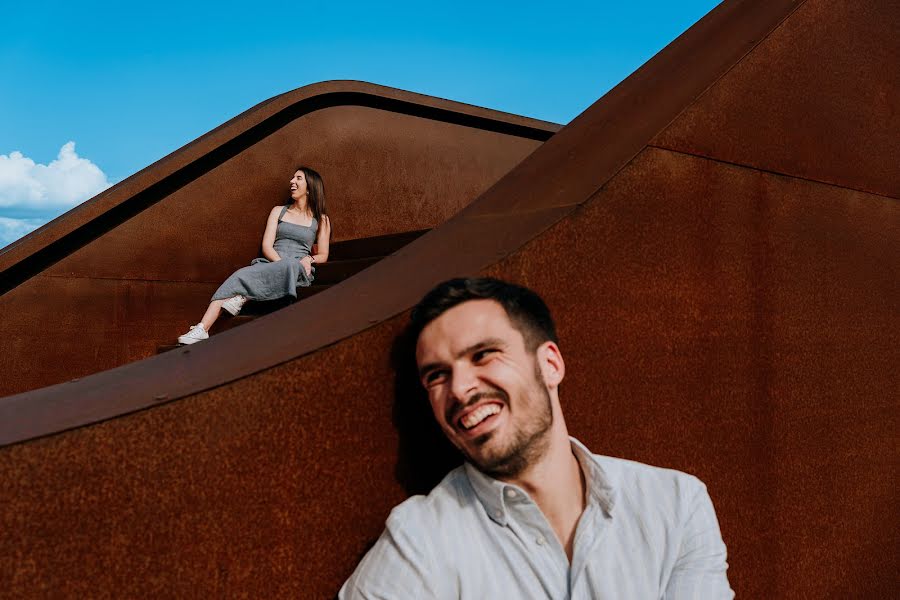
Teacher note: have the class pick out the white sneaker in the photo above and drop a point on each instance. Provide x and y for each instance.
(195, 334)
(234, 304)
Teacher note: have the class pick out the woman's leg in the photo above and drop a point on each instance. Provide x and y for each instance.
(212, 313)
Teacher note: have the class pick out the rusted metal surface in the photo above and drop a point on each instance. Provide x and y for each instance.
(63, 235)
(521, 205)
(716, 318)
(738, 325)
(215, 496)
(818, 101)
(373, 246)
(392, 161)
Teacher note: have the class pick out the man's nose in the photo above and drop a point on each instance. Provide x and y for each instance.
(464, 383)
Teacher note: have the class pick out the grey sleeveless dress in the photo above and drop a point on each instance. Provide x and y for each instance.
(267, 280)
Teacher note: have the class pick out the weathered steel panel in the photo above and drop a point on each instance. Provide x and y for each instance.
(385, 172)
(718, 318)
(820, 99)
(220, 493)
(741, 326)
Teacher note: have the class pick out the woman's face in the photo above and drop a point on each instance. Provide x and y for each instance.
(298, 185)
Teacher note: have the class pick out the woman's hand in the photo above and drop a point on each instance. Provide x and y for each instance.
(306, 261)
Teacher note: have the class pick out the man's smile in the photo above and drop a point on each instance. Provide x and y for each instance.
(478, 419)
(478, 415)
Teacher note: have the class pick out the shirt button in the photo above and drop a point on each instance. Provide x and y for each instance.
(539, 541)
(510, 493)
(498, 514)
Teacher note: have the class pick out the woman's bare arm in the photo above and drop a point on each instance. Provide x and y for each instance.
(321, 254)
(321, 246)
(268, 240)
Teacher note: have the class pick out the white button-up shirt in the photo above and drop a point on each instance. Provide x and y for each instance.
(646, 533)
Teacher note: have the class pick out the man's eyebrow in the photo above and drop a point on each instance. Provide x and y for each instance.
(481, 345)
(488, 343)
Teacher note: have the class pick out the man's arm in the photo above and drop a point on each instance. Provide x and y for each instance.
(398, 566)
(699, 570)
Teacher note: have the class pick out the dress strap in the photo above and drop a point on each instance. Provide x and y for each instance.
(283, 210)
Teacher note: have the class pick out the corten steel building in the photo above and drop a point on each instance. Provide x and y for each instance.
(718, 237)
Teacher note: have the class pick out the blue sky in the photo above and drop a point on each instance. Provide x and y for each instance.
(129, 83)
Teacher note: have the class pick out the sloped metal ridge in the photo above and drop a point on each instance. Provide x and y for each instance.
(551, 183)
(88, 221)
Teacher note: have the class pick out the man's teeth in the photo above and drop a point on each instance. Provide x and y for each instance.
(480, 414)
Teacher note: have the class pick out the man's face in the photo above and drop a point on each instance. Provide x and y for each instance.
(485, 387)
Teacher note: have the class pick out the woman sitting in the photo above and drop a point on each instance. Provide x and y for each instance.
(287, 246)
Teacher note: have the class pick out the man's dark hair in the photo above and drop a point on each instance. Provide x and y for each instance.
(526, 310)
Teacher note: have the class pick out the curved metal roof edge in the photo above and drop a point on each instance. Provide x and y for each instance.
(38, 250)
(607, 137)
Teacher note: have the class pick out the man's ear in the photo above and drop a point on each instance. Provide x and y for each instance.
(550, 360)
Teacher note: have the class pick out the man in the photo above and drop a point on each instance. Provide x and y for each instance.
(532, 513)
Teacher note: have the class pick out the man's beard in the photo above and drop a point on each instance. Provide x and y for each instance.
(528, 444)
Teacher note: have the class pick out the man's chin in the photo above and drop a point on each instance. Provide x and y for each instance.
(482, 440)
(494, 461)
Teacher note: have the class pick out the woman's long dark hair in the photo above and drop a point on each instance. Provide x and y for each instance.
(315, 192)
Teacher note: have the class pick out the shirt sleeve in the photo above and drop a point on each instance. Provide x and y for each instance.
(399, 566)
(700, 569)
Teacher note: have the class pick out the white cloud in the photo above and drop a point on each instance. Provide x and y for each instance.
(13, 229)
(31, 193)
(58, 186)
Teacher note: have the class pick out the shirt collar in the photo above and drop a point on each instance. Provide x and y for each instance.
(496, 496)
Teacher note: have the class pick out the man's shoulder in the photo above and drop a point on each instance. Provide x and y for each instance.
(452, 495)
(648, 488)
(632, 472)
(418, 547)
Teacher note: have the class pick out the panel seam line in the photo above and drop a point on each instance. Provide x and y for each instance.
(771, 172)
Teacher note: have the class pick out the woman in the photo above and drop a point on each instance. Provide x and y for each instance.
(287, 245)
